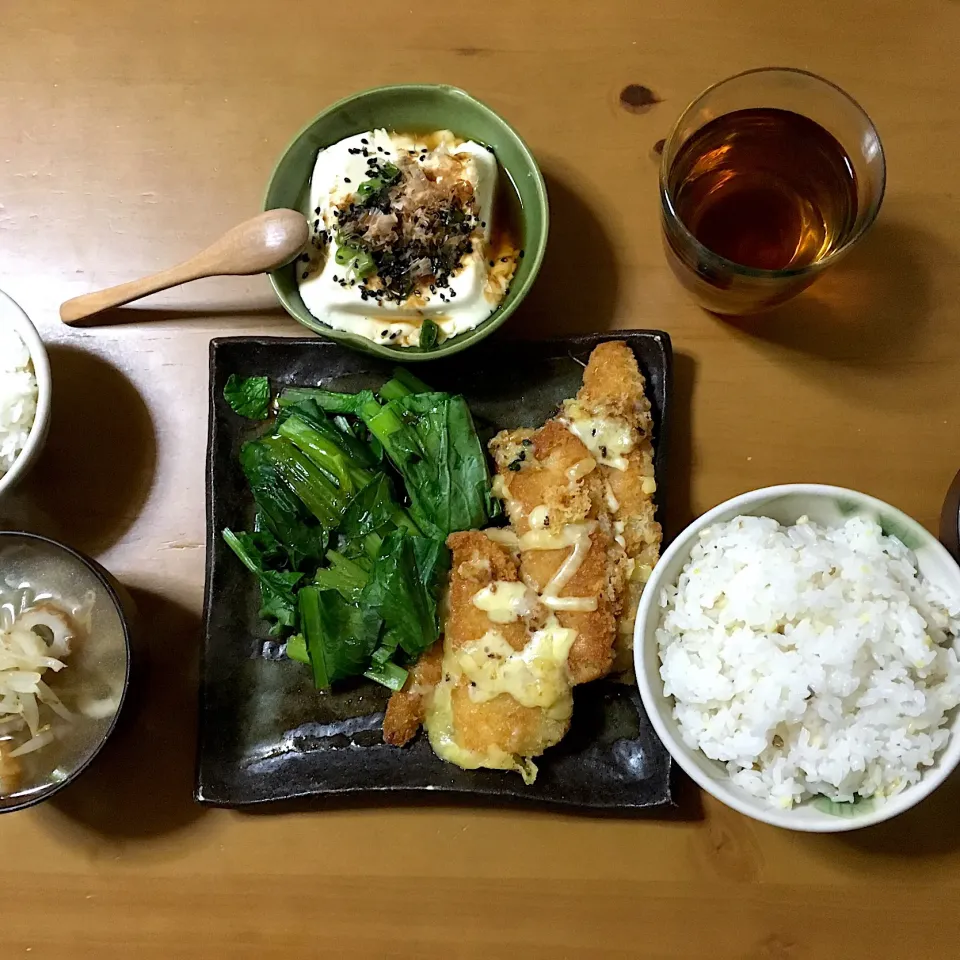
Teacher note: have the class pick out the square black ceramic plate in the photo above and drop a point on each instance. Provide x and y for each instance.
(267, 734)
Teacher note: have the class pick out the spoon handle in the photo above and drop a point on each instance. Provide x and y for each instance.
(79, 311)
(263, 243)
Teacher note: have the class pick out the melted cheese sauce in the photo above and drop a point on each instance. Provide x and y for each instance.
(440, 731)
(551, 592)
(536, 677)
(568, 536)
(540, 517)
(618, 527)
(504, 536)
(504, 601)
(609, 439)
(581, 469)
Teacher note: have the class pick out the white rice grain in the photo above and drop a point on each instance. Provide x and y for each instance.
(18, 396)
(809, 660)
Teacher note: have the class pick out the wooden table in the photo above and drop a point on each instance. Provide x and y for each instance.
(134, 133)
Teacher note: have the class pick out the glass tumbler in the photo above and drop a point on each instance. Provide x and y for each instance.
(720, 284)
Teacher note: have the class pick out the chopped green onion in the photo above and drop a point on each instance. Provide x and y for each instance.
(429, 334)
(356, 259)
(387, 178)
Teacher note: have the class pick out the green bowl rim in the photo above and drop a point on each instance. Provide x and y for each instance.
(495, 320)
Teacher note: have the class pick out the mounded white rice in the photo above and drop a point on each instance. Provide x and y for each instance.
(18, 396)
(809, 660)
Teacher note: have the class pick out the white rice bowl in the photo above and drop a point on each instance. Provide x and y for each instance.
(18, 396)
(25, 394)
(806, 673)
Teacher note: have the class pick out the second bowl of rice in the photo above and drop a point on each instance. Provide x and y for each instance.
(24, 394)
(797, 649)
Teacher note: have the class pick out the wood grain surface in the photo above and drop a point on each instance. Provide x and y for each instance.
(133, 134)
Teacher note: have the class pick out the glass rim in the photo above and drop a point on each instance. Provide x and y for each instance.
(666, 201)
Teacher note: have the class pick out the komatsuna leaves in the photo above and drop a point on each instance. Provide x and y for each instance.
(280, 511)
(277, 587)
(396, 588)
(340, 635)
(372, 514)
(431, 439)
(248, 396)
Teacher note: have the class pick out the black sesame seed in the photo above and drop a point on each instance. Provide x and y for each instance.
(483, 223)
(385, 333)
(336, 279)
(521, 254)
(347, 180)
(364, 140)
(317, 211)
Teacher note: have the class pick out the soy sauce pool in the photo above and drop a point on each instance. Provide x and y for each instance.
(765, 188)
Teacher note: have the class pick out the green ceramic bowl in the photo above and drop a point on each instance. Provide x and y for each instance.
(413, 107)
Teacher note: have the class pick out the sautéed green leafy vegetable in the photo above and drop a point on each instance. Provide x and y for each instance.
(355, 496)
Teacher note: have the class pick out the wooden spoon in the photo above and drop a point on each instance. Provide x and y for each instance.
(264, 243)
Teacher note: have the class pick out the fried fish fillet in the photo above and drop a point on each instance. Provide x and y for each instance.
(553, 494)
(486, 706)
(406, 707)
(614, 392)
